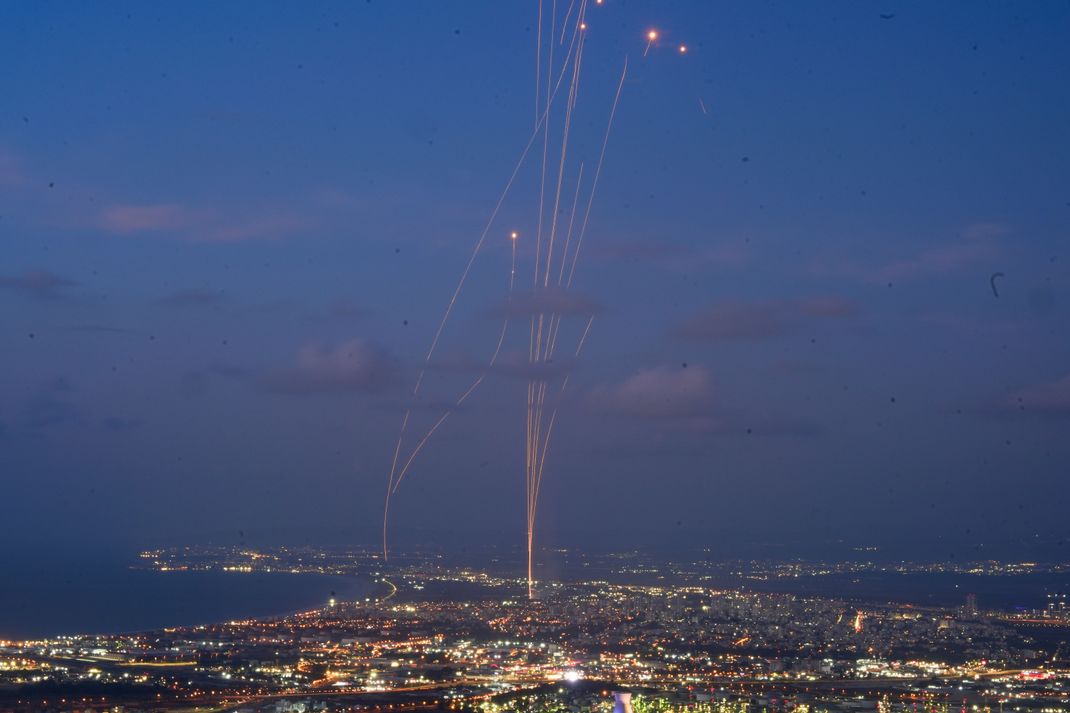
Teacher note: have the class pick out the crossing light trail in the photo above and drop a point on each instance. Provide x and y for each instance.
(554, 254)
(564, 23)
(406, 418)
(539, 430)
(473, 386)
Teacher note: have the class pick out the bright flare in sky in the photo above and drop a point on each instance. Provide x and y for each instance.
(650, 37)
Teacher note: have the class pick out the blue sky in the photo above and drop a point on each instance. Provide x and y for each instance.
(228, 233)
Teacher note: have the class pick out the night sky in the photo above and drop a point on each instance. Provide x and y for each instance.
(228, 232)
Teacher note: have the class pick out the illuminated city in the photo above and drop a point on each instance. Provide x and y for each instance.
(453, 637)
(534, 356)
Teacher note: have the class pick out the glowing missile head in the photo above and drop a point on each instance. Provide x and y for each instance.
(583, 25)
(683, 49)
(514, 235)
(652, 35)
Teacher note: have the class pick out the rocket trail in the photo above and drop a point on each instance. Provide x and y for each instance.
(538, 66)
(537, 443)
(540, 122)
(597, 174)
(569, 103)
(475, 384)
(564, 23)
(556, 255)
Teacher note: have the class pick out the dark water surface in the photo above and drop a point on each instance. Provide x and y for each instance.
(50, 598)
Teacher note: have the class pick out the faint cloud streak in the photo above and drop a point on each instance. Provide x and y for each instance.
(39, 284)
(355, 365)
(744, 321)
(658, 393)
(546, 301)
(1051, 398)
(978, 245)
(197, 225)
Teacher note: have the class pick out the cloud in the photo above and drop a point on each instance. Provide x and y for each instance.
(39, 284)
(265, 227)
(1049, 398)
(199, 225)
(684, 400)
(355, 365)
(661, 393)
(513, 364)
(938, 260)
(673, 255)
(641, 250)
(825, 307)
(194, 297)
(127, 218)
(549, 300)
(986, 231)
(762, 320)
(737, 321)
(977, 245)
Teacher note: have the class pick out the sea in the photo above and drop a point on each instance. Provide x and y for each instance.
(99, 596)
